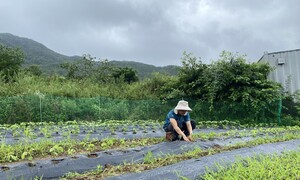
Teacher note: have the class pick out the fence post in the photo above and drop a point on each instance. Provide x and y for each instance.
(279, 111)
(99, 108)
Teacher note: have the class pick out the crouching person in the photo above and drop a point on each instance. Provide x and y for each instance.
(178, 124)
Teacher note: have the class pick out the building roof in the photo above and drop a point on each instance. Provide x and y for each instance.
(278, 52)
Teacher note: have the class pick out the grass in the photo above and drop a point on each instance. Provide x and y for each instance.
(285, 166)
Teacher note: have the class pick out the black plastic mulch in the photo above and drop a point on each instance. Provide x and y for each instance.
(57, 167)
(54, 168)
(195, 168)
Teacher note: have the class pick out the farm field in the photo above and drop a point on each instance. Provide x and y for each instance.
(136, 150)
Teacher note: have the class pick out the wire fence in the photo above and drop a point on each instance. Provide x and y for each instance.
(36, 108)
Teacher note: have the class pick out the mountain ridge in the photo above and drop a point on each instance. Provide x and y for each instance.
(49, 60)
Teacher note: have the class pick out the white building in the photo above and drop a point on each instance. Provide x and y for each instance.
(287, 68)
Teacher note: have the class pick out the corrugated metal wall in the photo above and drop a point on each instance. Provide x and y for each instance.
(287, 68)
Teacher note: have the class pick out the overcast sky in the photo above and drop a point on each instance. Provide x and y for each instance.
(155, 31)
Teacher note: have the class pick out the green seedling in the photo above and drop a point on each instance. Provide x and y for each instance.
(56, 150)
(149, 158)
(28, 132)
(46, 132)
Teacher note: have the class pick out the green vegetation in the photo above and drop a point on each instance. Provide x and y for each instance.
(49, 61)
(36, 53)
(241, 87)
(46, 147)
(145, 71)
(86, 95)
(90, 91)
(28, 150)
(151, 162)
(98, 71)
(10, 63)
(42, 107)
(285, 166)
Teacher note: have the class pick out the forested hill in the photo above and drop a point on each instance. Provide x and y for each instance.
(49, 61)
(145, 70)
(36, 53)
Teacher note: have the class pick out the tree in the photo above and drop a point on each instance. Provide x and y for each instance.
(88, 67)
(192, 76)
(126, 74)
(230, 85)
(80, 69)
(34, 70)
(11, 60)
(231, 80)
(104, 71)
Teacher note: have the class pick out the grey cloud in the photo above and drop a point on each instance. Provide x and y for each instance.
(153, 31)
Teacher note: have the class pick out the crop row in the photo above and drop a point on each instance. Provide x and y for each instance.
(49, 129)
(48, 148)
(285, 166)
(151, 162)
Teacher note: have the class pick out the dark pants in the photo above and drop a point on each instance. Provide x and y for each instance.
(183, 128)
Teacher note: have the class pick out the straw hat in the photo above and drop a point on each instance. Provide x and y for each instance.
(182, 105)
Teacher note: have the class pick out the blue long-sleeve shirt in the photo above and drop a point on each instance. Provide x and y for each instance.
(180, 119)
